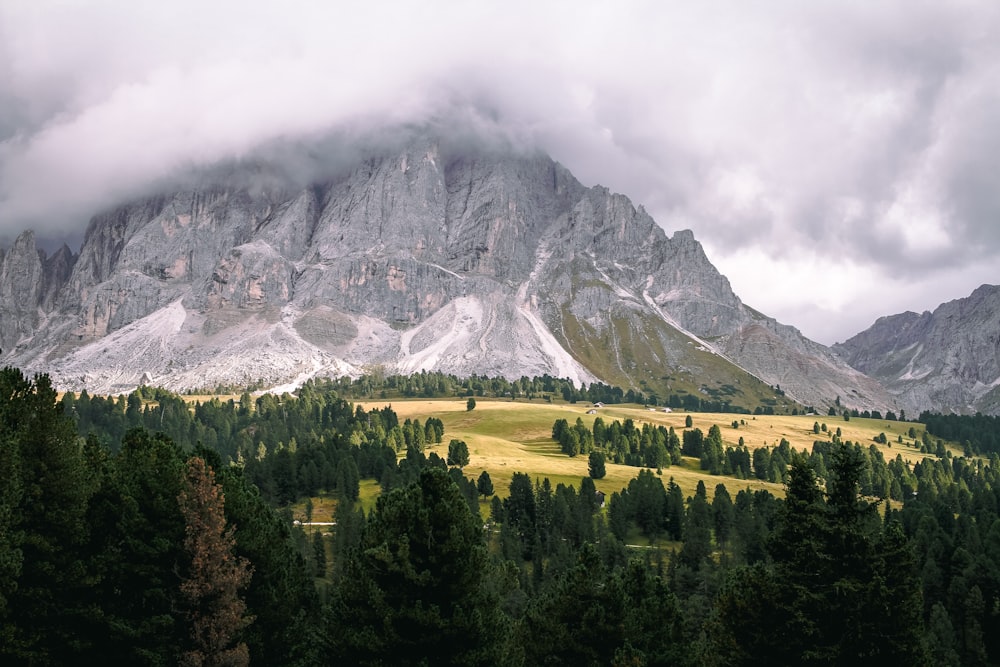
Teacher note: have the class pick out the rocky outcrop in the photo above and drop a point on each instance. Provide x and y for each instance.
(29, 284)
(946, 360)
(430, 257)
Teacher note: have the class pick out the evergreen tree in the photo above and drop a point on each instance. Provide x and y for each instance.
(847, 591)
(348, 479)
(43, 527)
(415, 594)
(210, 591)
(747, 629)
(280, 597)
(319, 553)
(137, 545)
(723, 514)
(697, 530)
(577, 618)
(595, 465)
(941, 638)
(484, 485)
(519, 510)
(458, 453)
(647, 500)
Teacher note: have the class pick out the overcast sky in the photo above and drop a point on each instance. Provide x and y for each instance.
(838, 160)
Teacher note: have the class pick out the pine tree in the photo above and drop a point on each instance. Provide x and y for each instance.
(458, 453)
(595, 465)
(848, 589)
(519, 510)
(137, 535)
(942, 637)
(484, 485)
(414, 591)
(211, 590)
(281, 596)
(723, 514)
(697, 529)
(319, 554)
(43, 528)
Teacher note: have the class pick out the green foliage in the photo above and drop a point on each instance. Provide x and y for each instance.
(645, 503)
(484, 485)
(596, 612)
(595, 465)
(319, 553)
(280, 597)
(43, 528)
(414, 592)
(458, 453)
(623, 442)
(93, 557)
(843, 584)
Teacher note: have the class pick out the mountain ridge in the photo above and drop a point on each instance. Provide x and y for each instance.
(420, 258)
(946, 360)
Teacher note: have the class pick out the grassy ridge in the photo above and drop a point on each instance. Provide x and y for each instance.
(645, 345)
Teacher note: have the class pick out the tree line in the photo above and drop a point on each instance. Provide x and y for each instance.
(148, 551)
(146, 555)
(978, 434)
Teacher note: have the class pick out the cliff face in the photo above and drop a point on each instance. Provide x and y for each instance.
(29, 284)
(426, 258)
(946, 360)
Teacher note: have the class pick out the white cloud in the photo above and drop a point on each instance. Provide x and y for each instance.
(839, 142)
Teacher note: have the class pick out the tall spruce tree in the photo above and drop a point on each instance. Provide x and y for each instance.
(43, 528)
(137, 544)
(280, 597)
(414, 592)
(210, 591)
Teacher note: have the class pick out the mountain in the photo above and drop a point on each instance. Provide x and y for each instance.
(948, 360)
(427, 257)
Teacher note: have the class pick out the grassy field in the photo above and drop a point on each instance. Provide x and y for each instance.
(506, 436)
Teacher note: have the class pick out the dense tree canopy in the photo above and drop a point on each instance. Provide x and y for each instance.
(141, 530)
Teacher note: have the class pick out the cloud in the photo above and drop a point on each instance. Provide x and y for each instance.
(838, 138)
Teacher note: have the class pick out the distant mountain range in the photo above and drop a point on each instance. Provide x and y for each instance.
(426, 257)
(948, 360)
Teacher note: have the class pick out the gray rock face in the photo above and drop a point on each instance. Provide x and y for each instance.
(29, 284)
(462, 261)
(946, 360)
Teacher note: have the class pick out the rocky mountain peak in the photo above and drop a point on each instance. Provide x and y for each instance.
(948, 359)
(435, 255)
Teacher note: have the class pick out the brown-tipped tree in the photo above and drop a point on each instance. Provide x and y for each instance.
(211, 590)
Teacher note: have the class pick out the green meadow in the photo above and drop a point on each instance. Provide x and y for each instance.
(507, 436)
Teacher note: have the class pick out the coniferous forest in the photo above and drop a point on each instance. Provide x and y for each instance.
(142, 530)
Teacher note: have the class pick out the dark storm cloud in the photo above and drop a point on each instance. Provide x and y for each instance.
(786, 134)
